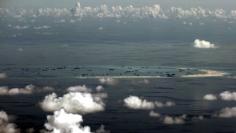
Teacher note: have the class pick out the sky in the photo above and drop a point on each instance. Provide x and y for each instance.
(226, 4)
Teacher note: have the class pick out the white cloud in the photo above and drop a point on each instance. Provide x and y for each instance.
(5, 125)
(203, 44)
(200, 117)
(61, 21)
(146, 81)
(30, 130)
(99, 88)
(108, 80)
(228, 96)
(19, 27)
(63, 122)
(210, 97)
(227, 112)
(20, 49)
(167, 104)
(28, 89)
(154, 114)
(100, 28)
(134, 102)
(41, 27)
(170, 120)
(143, 81)
(174, 120)
(72, 21)
(233, 13)
(118, 11)
(79, 88)
(3, 75)
(73, 102)
(102, 130)
(56, 12)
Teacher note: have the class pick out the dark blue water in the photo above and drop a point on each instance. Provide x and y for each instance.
(186, 93)
(51, 57)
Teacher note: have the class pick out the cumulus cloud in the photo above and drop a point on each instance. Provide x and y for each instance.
(63, 122)
(28, 89)
(100, 28)
(227, 112)
(41, 27)
(134, 102)
(226, 96)
(73, 102)
(102, 130)
(117, 11)
(143, 81)
(79, 88)
(108, 80)
(3, 75)
(56, 12)
(174, 120)
(166, 104)
(154, 114)
(99, 88)
(19, 27)
(210, 97)
(146, 81)
(30, 130)
(171, 120)
(104, 11)
(198, 12)
(20, 49)
(203, 44)
(5, 125)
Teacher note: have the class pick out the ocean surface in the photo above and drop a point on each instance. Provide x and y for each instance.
(152, 59)
(56, 65)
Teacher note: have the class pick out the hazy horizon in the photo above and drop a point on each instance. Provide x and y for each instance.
(229, 4)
